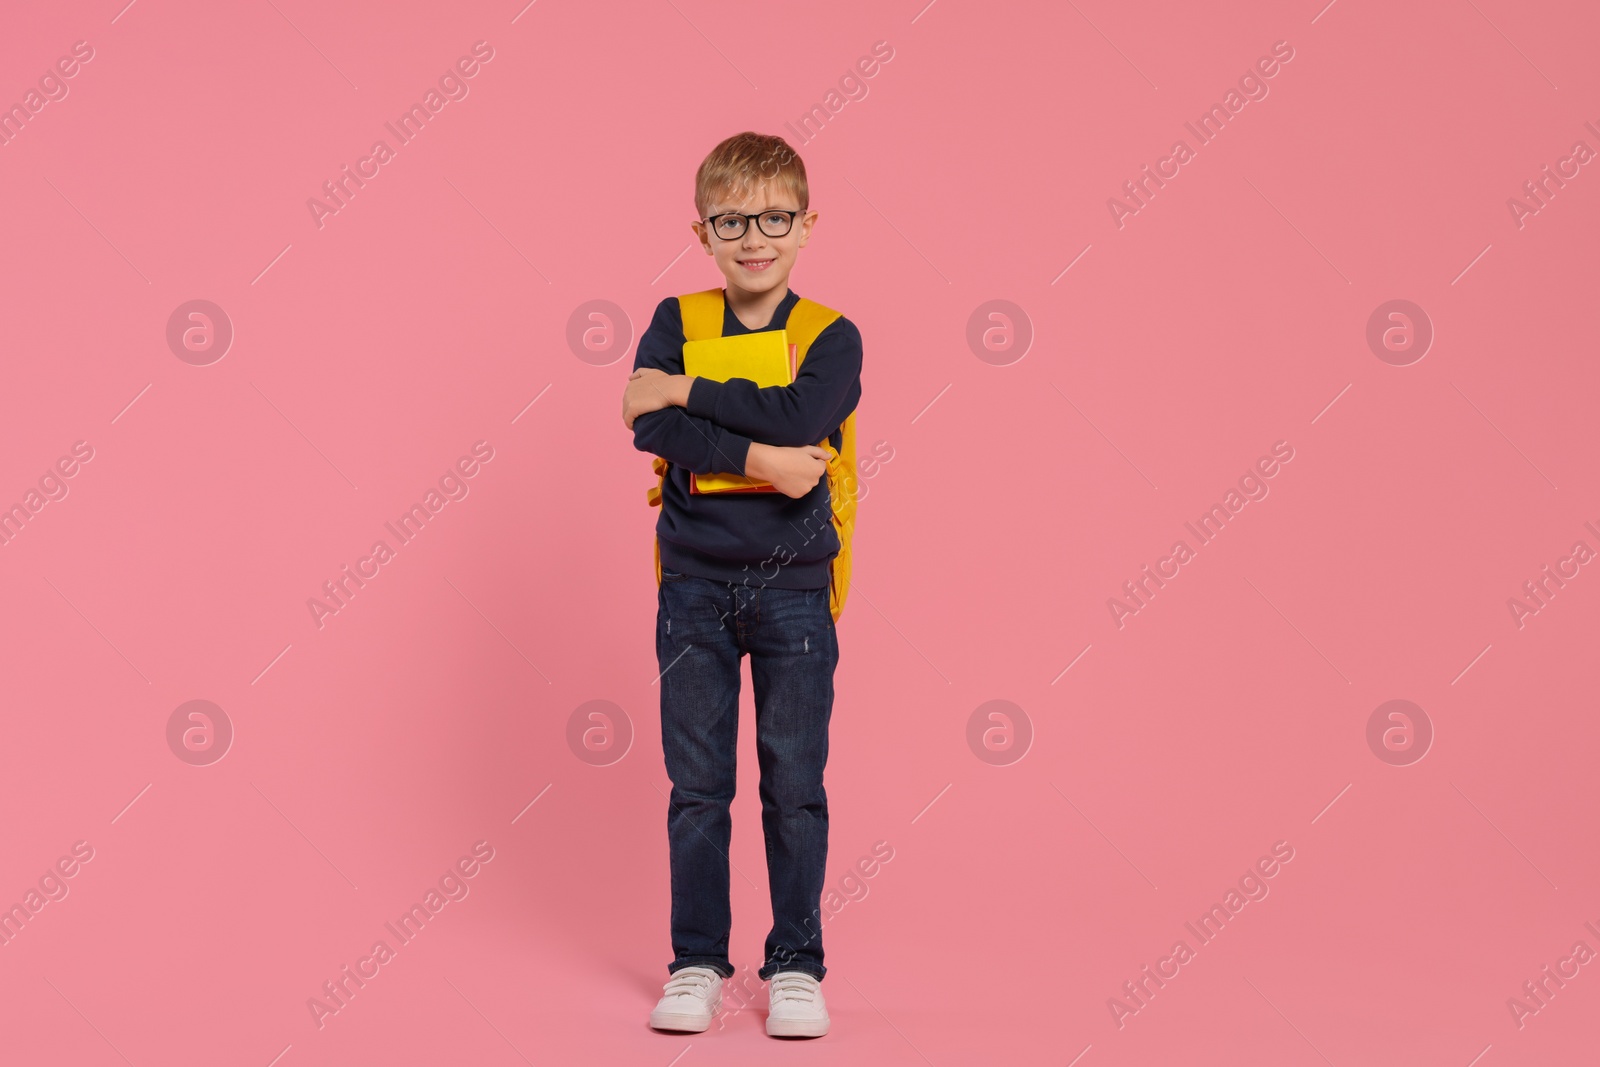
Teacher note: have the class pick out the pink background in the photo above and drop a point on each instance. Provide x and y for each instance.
(1229, 714)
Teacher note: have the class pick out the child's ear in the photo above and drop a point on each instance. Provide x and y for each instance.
(699, 232)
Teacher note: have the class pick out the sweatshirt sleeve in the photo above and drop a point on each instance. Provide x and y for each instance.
(826, 390)
(686, 440)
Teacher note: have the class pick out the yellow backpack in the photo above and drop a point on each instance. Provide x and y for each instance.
(702, 318)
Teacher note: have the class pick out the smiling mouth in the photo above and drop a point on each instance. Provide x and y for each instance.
(756, 264)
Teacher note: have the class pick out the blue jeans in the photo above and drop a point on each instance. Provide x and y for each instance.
(703, 629)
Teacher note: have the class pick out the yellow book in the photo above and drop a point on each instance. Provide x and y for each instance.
(766, 358)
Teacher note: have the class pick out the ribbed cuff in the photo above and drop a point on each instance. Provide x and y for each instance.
(733, 448)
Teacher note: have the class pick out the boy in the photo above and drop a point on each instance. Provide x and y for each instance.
(746, 572)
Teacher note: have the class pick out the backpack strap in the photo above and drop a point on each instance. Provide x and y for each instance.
(702, 318)
(652, 495)
(807, 320)
(702, 314)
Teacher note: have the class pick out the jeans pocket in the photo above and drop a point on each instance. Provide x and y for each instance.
(671, 576)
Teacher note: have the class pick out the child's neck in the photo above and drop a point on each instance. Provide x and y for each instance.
(755, 310)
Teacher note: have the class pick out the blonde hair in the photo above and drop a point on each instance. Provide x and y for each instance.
(743, 162)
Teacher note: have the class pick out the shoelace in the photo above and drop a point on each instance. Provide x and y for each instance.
(687, 983)
(793, 986)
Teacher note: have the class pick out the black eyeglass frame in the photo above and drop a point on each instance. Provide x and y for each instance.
(756, 218)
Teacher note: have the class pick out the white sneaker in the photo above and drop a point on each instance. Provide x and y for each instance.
(691, 999)
(795, 1006)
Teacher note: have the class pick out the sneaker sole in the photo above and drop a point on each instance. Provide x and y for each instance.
(684, 1023)
(691, 1024)
(796, 1027)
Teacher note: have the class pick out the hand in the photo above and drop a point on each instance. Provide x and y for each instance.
(644, 393)
(794, 472)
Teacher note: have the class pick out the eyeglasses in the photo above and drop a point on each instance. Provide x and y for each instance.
(732, 226)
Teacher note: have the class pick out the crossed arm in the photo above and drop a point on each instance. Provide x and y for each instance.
(705, 446)
(665, 429)
(735, 427)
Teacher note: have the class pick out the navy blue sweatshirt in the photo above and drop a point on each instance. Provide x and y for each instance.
(757, 538)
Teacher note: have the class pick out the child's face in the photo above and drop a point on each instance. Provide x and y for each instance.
(755, 262)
